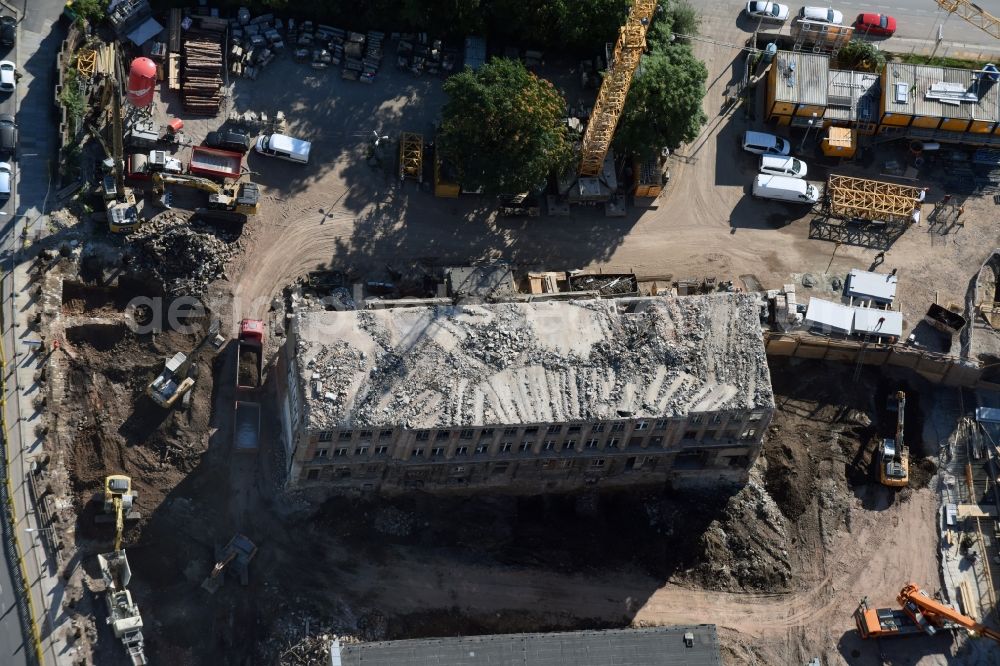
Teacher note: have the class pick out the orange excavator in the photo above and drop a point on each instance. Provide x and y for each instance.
(920, 614)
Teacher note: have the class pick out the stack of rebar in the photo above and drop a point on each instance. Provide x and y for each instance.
(201, 85)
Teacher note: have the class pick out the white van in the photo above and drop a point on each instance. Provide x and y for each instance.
(761, 143)
(779, 165)
(783, 188)
(285, 147)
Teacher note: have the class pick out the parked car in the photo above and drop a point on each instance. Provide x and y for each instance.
(821, 15)
(8, 76)
(8, 134)
(760, 143)
(8, 30)
(782, 188)
(875, 24)
(284, 147)
(767, 11)
(779, 165)
(5, 176)
(228, 140)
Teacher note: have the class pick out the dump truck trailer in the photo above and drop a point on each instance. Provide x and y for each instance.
(214, 162)
(249, 356)
(246, 427)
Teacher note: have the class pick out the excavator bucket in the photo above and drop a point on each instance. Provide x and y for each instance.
(235, 557)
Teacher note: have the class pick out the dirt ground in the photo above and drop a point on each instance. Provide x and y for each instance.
(780, 565)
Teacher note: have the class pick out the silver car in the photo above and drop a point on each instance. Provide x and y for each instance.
(767, 11)
(5, 175)
(821, 15)
(8, 76)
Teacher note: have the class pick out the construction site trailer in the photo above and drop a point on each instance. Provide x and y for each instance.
(840, 142)
(214, 162)
(852, 198)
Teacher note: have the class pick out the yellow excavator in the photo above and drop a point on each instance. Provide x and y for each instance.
(118, 504)
(894, 456)
(231, 203)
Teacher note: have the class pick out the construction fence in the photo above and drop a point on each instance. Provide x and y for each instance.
(933, 366)
(11, 545)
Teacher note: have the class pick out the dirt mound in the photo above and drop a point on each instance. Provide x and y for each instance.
(921, 472)
(184, 257)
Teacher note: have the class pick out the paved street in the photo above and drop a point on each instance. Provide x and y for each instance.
(917, 25)
(38, 39)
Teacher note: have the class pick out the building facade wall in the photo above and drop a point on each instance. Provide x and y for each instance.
(701, 448)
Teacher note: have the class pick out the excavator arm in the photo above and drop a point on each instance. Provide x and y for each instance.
(119, 522)
(161, 179)
(917, 603)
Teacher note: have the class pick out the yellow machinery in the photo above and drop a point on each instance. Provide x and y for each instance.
(611, 98)
(894, 456)
(411, 156)
(118, 504)
(223, 201)
(973, 14)
(173, 382)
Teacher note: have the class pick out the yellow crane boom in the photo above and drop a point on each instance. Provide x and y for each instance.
(611, 98)
(973, 14)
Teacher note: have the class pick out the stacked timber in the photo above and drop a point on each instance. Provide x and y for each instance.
(201, 81)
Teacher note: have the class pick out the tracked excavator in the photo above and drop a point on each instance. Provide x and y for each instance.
(179, 373)
(229, 203)
(919, 613)
(118, 504)
(123, 613)
(894, 456)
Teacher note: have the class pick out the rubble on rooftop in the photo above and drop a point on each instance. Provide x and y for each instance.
(507, 363)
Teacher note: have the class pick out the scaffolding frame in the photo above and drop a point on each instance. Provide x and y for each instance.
(614, 89)
(873, 200)
(874, 235)
(411, 156)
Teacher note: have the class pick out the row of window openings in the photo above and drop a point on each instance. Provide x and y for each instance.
(469, 433)
(506, 447)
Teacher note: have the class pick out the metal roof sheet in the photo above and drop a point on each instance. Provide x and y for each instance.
(876, 286)
(801, 77)
(916, 81)
(827, 314)
(655, 646)
(866, 320)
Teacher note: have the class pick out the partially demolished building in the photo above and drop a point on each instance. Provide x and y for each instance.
(527, 396)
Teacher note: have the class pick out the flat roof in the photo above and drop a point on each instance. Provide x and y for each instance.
(654, 646)
(526, 363)
(835, 316)
(866, 320)
(849, 320)
(880, 287)
(907, 87)
(801, 77)
(852, 96)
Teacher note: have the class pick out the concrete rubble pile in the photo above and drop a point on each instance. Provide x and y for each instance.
(184, 257)
(697, 342)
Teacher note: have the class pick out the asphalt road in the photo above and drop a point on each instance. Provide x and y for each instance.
(915, 19)
(38, 39)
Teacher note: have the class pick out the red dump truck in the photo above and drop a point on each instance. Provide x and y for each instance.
(215, 162)
(249, 375)
(249, 355)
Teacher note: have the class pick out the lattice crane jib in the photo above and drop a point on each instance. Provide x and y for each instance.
(973, 14)
(611, 98)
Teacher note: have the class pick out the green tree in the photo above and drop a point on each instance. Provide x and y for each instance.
(858, 54)
(502, 125)
(663, 107)
(449, 18)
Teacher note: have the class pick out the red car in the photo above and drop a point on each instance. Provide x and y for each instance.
(875, 24)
